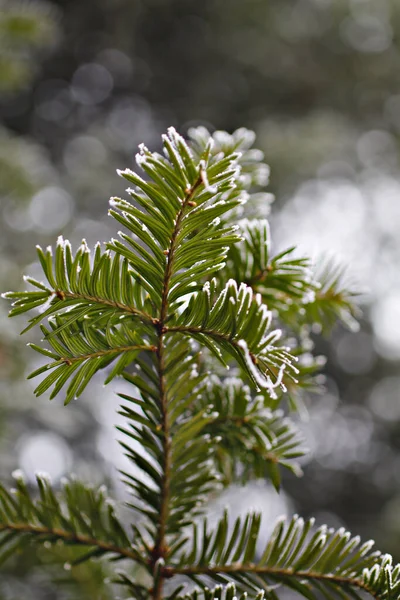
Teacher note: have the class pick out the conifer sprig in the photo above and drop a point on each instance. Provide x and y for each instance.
(248, 438)
(80, 288)
(307, 560)
(81, 516)
(80, 350)
(184, 284)
(236, 321)
(301, 293)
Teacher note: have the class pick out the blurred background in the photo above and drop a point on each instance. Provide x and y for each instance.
(81, 84)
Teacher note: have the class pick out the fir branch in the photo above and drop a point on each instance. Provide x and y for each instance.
(78, 515)
(235, 321)
(281, 280)
(180, 209)
(80, 350)
(249, 439)
(302, 294)
(160, 548)
(254, 172)
(143, 304)
(97, 300)
(116, 350)
(334, 301)
(193, 475)
(276, 574)
(79, 539)
(77, 288)
(295, 556)
(172, 249)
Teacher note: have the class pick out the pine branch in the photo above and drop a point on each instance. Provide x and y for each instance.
(106, 287)
(307, 561)
(286, 281)
(235, 321)
(79, 515)
(334, 299)
(79, 351)
(282, 279)
(248, 439)
(148, 304)
(180, 209)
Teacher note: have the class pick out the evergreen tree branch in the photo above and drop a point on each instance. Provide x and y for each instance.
(180, 210)
(335, 299)
(172, 249)
(275, 574)
(192, 475)
(116, 350)
(281, 279)
(79, 351)
(78, 515)
(169, 225)
(235, 321)
(76, 287)
(291, 378)
(98, 301)
(285, 281)
(143, 304)
(254, 172)
(212, 333)
(56, 533)
(249, 439)
(296, 556)
(160, 548)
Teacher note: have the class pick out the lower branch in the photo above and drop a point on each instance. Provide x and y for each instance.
(252, 569)
(75, 538)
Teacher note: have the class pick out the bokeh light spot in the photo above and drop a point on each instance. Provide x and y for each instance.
(51, 209)
(367, 33)
(384, 399)
(386, 323)
(355, 353)
(84, 151)
(45, 452)
(91, 84)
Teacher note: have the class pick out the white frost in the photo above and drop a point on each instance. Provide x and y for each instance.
(264, 382)
(18, 474)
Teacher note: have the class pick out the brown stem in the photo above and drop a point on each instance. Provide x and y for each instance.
(262, 274)
(169, 572)
(160, 549)
(191, 329)
(124, 307)
(116, 350)
(172, 248)
(76, 538)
